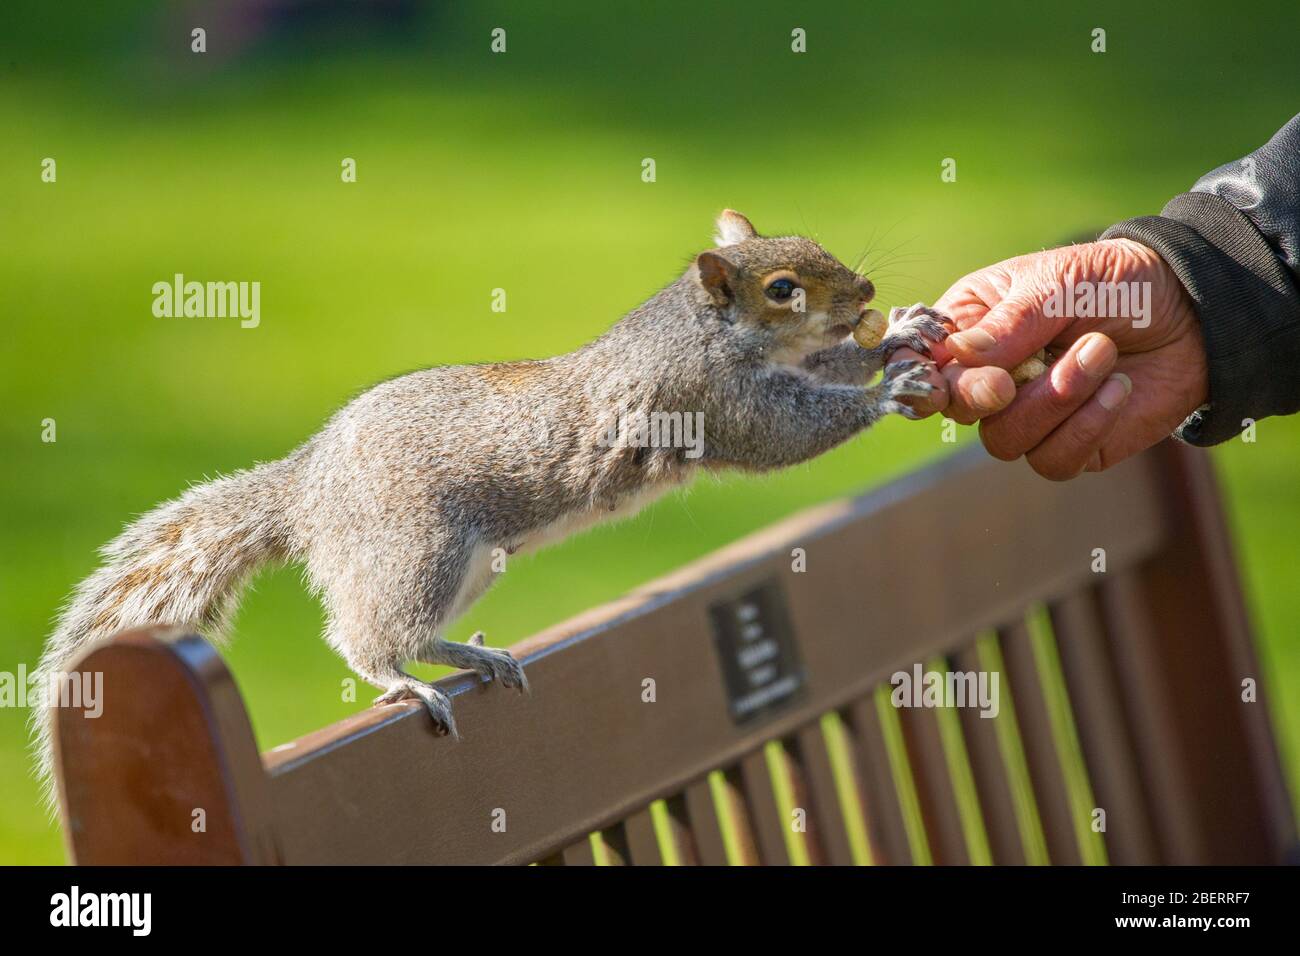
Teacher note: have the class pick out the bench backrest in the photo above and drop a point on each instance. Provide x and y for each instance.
(737, 709)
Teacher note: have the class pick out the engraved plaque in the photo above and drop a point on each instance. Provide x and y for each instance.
(756, 649)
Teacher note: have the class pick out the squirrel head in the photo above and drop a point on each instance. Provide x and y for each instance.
(794, 294)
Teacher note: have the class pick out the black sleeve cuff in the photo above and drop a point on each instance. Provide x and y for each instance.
(1248, 306)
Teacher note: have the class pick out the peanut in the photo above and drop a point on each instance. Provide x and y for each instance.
(1030, 368)
(870, 332)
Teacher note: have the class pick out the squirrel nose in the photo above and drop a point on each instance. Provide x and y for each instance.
(867, 289)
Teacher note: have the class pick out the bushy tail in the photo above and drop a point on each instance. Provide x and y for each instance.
(181, 564)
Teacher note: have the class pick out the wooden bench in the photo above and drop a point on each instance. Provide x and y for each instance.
(733, 711)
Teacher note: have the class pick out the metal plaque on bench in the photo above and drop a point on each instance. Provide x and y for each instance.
(756, 648)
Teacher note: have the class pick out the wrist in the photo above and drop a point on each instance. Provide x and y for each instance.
(1247, 303)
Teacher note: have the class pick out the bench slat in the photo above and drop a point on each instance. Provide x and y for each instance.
(809, 750)
(992, 782)
(1046, 770)
(934, 787)
(769, 827)
(642, 841)
(1153, 724)
(703, 816)
(1104, 733)
(579, 853)
(877, 792)
(738, 811)
(617, 851)
(679, 831)
(790, 768)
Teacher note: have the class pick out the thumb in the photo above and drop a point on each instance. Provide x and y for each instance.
(1009, 333)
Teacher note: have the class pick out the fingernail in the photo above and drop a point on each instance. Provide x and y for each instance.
(1115, 391)
(976, 340)
(1093, 353)
(985, 397)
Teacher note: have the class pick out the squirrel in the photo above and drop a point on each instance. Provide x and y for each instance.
(397, 506)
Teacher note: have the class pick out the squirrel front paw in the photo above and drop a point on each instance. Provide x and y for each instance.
(906, 379)
(914, 327)
(492, 663)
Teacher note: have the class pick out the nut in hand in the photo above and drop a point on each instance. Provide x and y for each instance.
(1030, 368)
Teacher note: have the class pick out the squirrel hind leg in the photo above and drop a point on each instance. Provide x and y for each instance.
(405, 687)
(399, 685)
(490, 663)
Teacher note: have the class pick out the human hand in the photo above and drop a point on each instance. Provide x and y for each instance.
(1121, 382)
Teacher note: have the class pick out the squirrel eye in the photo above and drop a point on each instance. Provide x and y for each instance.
(780, 289)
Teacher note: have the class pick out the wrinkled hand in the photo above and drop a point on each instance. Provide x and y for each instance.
(1120, 383)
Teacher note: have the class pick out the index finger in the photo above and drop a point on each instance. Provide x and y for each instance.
(1011, 331)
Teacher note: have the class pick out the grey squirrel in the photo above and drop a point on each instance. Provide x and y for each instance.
(398, 505)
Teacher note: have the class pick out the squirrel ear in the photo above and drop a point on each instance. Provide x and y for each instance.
(715, 276)
(733, 228)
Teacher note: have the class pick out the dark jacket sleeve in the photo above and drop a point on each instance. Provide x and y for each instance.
(1234, 241)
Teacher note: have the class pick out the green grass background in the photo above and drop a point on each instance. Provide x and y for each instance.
(522, 171)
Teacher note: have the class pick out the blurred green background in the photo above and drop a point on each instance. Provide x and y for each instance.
(522, 171)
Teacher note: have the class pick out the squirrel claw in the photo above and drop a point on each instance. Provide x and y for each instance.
(493, 663)
(915, 327)
(435, 701)
(507, 671)
(899, 315)
(906, 379)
